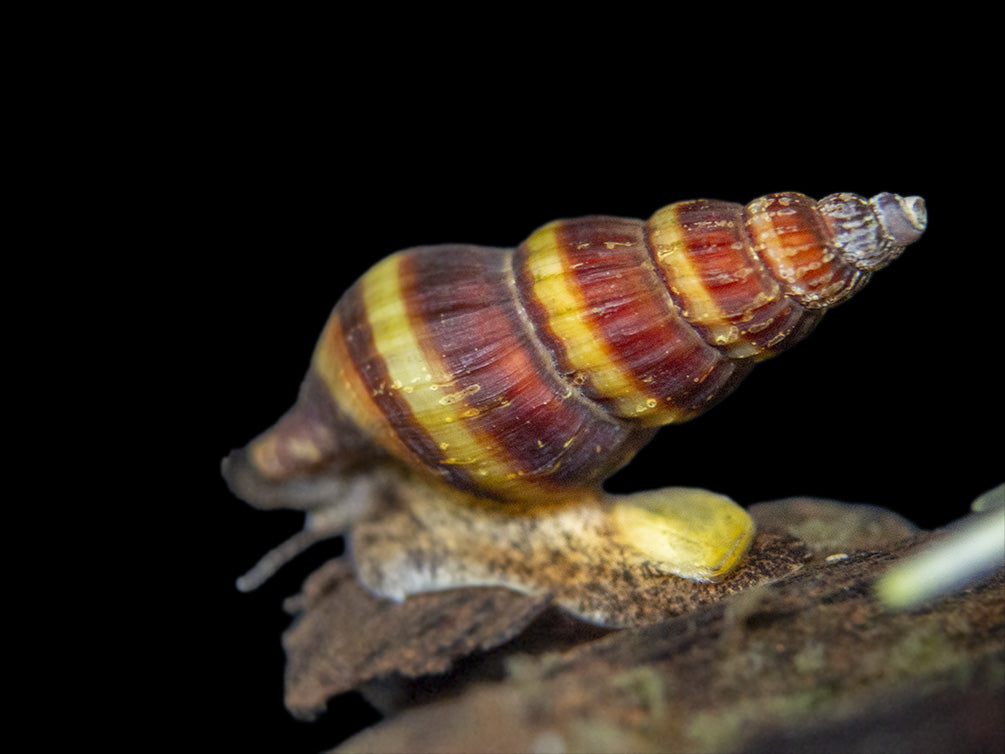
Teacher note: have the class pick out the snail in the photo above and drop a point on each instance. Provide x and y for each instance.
(465, 404)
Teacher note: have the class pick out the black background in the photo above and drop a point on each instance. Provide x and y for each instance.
(301, 167)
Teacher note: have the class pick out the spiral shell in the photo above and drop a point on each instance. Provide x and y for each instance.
(532, 374)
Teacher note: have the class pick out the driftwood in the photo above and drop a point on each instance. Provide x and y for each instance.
(802, 657)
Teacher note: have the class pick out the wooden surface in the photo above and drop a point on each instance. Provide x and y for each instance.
(810, 661)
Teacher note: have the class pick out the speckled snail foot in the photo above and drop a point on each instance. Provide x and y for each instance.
(465, 404)
(593, 558)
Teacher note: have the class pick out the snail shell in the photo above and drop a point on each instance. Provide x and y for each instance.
(532, 374)
(464, 404)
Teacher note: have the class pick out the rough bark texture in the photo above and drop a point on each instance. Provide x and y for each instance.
(809, 661)
(347, 637)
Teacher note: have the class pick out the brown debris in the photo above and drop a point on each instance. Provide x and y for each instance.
(830, 528)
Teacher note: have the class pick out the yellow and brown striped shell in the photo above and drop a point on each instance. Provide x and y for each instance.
(529, 375)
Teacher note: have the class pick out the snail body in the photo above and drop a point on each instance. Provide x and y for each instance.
(523, 378)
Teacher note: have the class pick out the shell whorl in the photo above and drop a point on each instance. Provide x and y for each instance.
(534, 373)
(870, 234)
